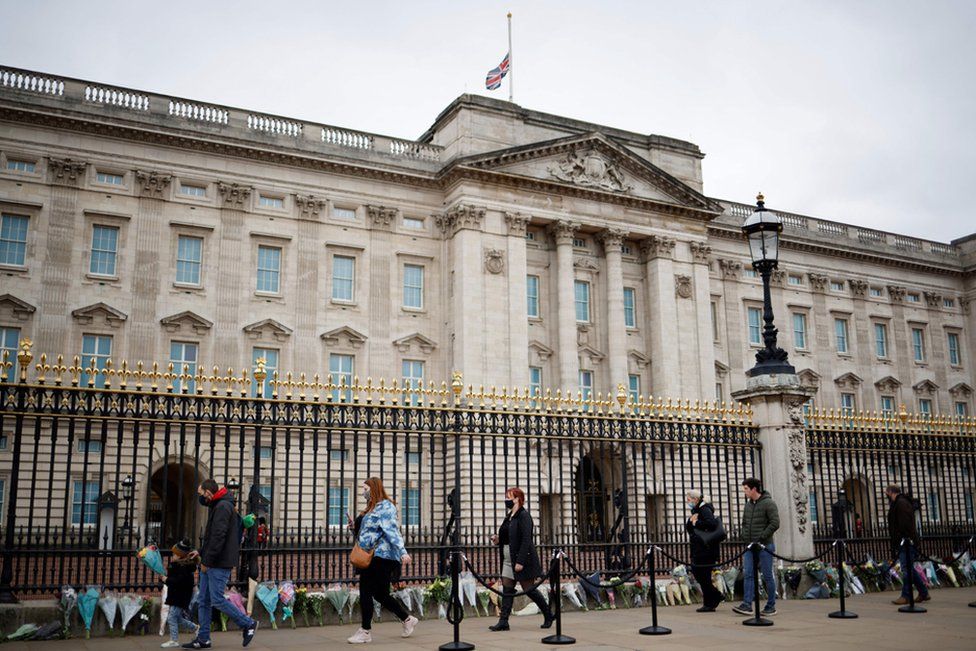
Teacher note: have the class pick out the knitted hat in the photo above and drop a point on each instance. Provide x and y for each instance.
(182, 548)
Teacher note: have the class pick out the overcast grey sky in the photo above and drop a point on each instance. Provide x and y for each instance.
(858, 111)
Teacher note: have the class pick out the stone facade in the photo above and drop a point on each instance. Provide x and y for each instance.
(515, 246)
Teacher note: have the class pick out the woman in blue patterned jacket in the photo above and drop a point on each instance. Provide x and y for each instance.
(380, 533)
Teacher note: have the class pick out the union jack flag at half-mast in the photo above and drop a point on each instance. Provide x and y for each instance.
(495, 75)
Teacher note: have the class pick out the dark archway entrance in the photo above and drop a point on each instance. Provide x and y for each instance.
(591, 501)
(173, 506)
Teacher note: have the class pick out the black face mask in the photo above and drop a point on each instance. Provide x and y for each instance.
(509, 504)
(204, 500)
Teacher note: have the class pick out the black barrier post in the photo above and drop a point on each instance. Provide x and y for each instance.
(757, 620)
(653, 629)
(843, 613)
(455, 611)
(556, 594)
(909, 571)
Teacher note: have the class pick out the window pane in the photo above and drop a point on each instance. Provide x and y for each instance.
(341, 370)
(10, 343)
(343, 277)
(270, 356)
(755, 326)
(582, 301)
(84, 502)
(586, 384)
(269, 268)
(105, 240)
(532, 294)
(918, 344)
(183, 355)
(411, 506)
(840, 331)
(413, 286)
(95, 351)
(633, 388)
(630, 318)
(800, 330)
(189, 255)
(880, 340)
(111, 179)
(338, 506)
(13, 240)
(953, 348)
(413, 381)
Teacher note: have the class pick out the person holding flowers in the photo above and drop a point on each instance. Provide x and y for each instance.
(379, 533)
(179, 590)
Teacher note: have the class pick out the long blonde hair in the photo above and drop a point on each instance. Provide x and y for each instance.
(376, 494)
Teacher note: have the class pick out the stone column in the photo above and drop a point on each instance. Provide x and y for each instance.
(568, 355)
(823, 329)
(736, 327)
(938, 355)
(613, 240)
(383, 277)
(662, 315)
(518, 319)
(861, 331)
(461, 226)
(700, 253)
(234, 199)
(148, 235)
(54, 312)
(308, 301)
(777, 407)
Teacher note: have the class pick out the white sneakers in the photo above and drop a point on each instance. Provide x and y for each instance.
(170, 644)
(362, 636)
(408, 625)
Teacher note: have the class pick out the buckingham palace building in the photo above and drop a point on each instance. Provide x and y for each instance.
(521, 248)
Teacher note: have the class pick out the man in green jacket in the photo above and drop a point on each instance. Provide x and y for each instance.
(760, 520)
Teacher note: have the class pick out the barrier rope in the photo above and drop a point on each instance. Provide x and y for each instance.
(480, 579)
(928, 557)
(795, 560)
(623, 579)
(703, 565)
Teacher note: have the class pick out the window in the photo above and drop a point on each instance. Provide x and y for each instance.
(912, 298)
(13, 240)
(799, 330)
(270, 357)
(84, 502)
(840, 335)
(269, 269)
(535, 381)
(10, 343)
(626, 249)
(193, 190)
(3, 444)
(633, 388)
(343, 278)
(750, 273)
(529, 235)
(881, 340)
(108, 178)
(89, 447)
(962, 409)
(413, 381)
(95, 351)
(579, 243)
(932, 501)
(189, 256)
(341, 370)
(411, 506)
(413, 286)
(338, 506)
(836, 286)
(876, 292)
(413, 458)
(714, 307)
(925, 406)
(948, 303)
(719, 392)
(414, 223)
(265, 452)
(848, 403)
(271, 202)
(184, 354)
(339, 455)
(755, 326)
(20, 166)
(795, 280)
(887, 405)
(582, 292)
(918, 344)
(630, 301)
(532, 295)
(105, 246)
(586, 384)
(267, 492)
(344, 213)
(953, 340)
(812, 500)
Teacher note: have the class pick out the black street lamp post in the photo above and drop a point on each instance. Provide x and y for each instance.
(128, 486)
(762, 230)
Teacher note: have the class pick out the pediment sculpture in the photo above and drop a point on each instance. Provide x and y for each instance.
(590, 169)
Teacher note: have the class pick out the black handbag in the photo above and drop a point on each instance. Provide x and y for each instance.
(713, 537)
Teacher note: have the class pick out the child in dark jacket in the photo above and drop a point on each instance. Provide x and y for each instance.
(179, 590)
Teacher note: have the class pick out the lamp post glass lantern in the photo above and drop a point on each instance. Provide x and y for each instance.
(762, 229)
(128, 487)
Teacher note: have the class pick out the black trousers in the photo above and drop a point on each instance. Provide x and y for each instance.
(710, 594)
(374, 583)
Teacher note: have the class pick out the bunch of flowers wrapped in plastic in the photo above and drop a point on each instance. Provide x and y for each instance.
(439, 592)
(301, 604)
(823, 588)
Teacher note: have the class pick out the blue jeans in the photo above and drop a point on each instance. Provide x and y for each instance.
(766, 568)
(906, 557)
(213, 582)
(176, 619)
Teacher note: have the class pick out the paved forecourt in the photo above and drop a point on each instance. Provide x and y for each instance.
(948, 624)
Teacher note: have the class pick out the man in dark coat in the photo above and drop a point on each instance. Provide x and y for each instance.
(901, 526)
(219, 554)
(703, 519)
(760, 520)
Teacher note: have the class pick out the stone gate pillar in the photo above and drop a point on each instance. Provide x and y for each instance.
(777, 409)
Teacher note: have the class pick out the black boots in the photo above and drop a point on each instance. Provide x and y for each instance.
(507, 602)
(540, 601)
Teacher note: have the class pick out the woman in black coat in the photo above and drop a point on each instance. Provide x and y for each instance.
(520, 561)
(703, 518)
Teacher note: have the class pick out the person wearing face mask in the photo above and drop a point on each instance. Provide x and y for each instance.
(219, 554)
(377, 530)
(520, 561)
(702, 518)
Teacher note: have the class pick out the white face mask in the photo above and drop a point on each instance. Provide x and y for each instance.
(366, 494)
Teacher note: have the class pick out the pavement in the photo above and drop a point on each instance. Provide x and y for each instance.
(799, 625)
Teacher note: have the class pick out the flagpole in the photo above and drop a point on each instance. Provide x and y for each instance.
(511, 68)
